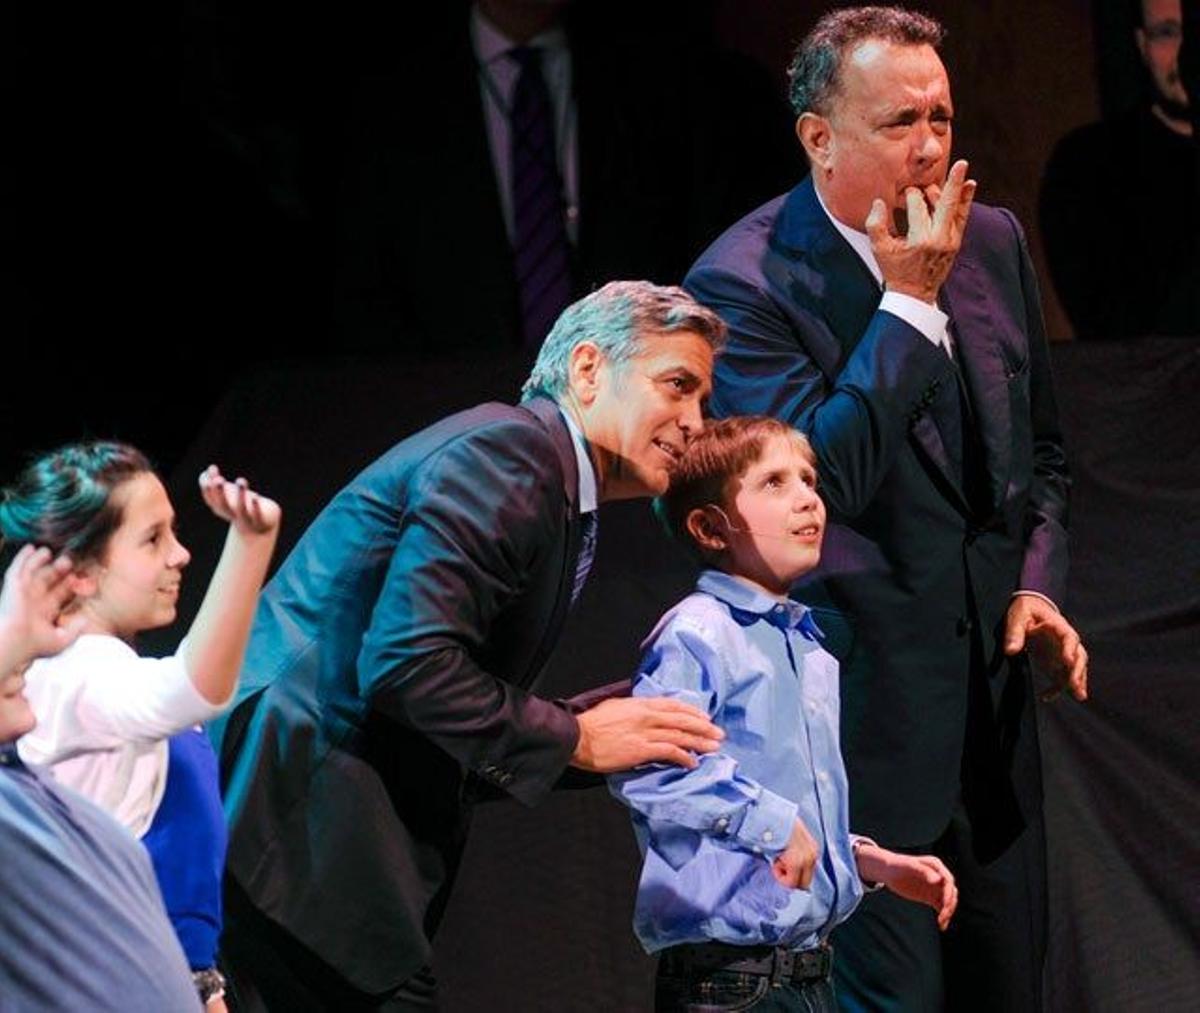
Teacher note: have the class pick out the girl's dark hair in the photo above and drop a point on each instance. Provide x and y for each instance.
(63, 500)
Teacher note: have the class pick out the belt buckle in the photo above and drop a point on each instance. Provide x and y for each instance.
(783, 966)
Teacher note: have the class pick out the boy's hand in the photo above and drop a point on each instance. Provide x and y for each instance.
(34, 593)
(795, 865)
(238, 504)
(623, 733)
(922, 878)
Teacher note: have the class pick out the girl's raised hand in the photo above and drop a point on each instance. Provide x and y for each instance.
(238, 504)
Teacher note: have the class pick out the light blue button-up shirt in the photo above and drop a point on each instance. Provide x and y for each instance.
(707, 835)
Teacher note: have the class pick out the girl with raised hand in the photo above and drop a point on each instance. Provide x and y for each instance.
(119, 728)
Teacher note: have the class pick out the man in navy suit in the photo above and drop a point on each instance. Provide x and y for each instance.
(898, 324)
(388, 678)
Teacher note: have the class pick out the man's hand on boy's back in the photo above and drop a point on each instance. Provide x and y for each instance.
(921, 878)
(794, 866)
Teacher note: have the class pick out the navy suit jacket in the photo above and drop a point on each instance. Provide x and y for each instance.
(922, 570)
(387, 682)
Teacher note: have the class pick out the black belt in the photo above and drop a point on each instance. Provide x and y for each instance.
(777, 963)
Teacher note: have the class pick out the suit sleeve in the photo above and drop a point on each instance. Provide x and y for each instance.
(483, 512)
(856, 412)
(1044, 567)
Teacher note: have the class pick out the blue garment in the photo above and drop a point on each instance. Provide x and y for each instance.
(707, 835)
(187, 842)
(82, 925)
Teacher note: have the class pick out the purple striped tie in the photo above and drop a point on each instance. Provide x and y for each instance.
(541, 251)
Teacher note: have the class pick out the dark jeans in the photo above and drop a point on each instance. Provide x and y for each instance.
(681, 988)
(269, 971)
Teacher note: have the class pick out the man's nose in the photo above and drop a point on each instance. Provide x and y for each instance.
(929, 146)
(691, 419)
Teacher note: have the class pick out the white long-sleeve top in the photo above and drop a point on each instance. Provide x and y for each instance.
(104, 715)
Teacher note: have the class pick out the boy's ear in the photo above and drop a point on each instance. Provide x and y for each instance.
(583, 371)
(701, 526)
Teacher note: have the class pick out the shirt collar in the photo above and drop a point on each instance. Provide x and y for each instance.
(860, 242)
(588, 499)
(490, 44)
(748, 601)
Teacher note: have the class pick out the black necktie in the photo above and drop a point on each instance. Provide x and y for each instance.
(587, 552)
(541, 251)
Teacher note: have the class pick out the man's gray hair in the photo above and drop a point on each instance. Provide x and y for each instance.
(814, 75)
(617, 318)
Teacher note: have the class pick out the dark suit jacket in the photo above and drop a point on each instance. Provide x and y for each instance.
(923, 571)
(667, 153)
(387, 678)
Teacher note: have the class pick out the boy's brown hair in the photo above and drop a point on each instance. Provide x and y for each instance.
(712, 461)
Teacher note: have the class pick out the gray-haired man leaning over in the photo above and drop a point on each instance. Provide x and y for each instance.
(389, 671)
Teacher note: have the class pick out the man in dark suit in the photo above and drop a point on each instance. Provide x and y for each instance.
(388, 678)
(899, 326)
(429, 195)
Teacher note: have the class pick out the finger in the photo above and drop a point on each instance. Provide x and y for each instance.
(663, 712)
(877, 223)
(694, 743)
(665, 752)
(684, 724)
(1014, 633)
(30, 558)
(804, 880)
(66, 634)
(1077, 682)
(254, 509)
(963, 211)
(918, 215)
(944, 210)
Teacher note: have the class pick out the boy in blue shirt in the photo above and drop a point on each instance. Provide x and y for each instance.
(748, 858)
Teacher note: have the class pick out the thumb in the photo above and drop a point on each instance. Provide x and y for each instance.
(67, 633)
(1014, 637)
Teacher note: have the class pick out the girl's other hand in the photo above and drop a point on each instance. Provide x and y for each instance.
(237, 503)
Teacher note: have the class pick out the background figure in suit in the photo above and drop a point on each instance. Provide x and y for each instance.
(387, 681)
(912, 354)
(1146, 280)
(539, 150)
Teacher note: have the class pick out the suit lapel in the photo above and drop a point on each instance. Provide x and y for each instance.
(826, 276)
(968, 303)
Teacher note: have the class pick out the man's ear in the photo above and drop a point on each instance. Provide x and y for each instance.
(583, 371)
(817, 137)
(701, 526)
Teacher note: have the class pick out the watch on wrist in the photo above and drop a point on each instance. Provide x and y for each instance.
(210, 983)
